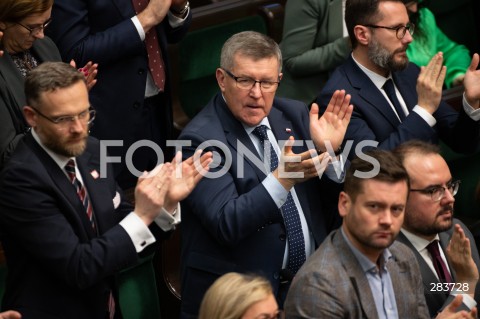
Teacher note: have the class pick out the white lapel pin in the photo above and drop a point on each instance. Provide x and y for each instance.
(94, 174)
(288, 130)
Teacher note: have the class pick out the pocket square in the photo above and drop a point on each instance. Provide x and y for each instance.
(116, 200)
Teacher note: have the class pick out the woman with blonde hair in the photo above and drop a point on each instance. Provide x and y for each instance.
(239, 296)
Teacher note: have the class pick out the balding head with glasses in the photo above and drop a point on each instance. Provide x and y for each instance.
(446, 249)
(58, 108)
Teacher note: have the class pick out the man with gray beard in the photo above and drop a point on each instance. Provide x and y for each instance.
(444, 247)
(394, 100)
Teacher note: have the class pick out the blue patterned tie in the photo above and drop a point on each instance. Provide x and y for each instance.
(296, 242)
(389, 88)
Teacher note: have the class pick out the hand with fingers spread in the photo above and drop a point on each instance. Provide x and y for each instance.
(450, 312)
(460, 256)
(296, 168)
(472, 83)
(185, 176)
(90, 71)
(150, 192)
(332, 125)
(430, 83)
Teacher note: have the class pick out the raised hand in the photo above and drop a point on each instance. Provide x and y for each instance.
(460, 256)
(151, 191)
(154, 13)
(472, 83)
(10, 314)
(450, 311)
(332, 125)
(295, 168)
(89, 71)
(185, 176)
(430, 83)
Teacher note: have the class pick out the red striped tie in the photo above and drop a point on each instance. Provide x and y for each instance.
(81, 191)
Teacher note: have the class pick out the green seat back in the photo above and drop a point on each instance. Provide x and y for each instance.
(200, 57)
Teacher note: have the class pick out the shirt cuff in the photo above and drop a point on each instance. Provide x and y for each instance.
(175, 21)
(467, 300)
(139, 27)
(474, 114)
(427, 117)
(275, 189)
(167, 221)
(336, 169)
(139, 233)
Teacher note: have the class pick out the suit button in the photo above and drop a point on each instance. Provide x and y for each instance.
(282, 237)
(141, 71)
(276, 275)
(270, 222)
(136, 105)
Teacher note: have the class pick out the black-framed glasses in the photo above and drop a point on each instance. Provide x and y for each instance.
(400, 30)
(36, 30)
(63, 122)
(438, 192)
(249, 83)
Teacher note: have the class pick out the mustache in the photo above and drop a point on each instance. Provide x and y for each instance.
(445, 209)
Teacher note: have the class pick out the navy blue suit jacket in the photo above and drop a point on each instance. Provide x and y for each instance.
(231, 223)
(102, 31)
(374, 119)
(58, 266)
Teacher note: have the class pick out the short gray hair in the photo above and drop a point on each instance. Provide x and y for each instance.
(252, 44)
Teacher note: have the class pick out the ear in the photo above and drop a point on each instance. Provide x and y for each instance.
(220, 75)
(280, 76)
(3, 26)
(362, 34)
(344, 204)
(30, 116)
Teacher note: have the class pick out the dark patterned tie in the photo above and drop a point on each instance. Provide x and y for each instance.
(438, 262)
(296, 242)
(389, 88)
(155, 60)
(81, 191)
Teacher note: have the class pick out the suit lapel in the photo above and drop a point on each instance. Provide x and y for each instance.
(357, 277)
(399, 272)
(369, 92)
(444, 240)
(235, 133)
(14, 79)
(402, 86)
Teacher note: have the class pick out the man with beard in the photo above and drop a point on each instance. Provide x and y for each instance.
(394, 100)
(429, 227)
(360, 271)
(66, 228)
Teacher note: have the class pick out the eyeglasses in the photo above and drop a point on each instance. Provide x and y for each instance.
(438, 192)
(63, 122)
(36, 30)
(401, 30)
(249, 83)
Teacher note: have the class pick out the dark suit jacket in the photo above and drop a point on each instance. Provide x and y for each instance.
(437, 301)
(58, 266)
(332, 284)
(12, 96)
(101, 31)
(374, 119)
(231, 223)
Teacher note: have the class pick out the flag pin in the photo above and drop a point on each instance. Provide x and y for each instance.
(94, 174)
(288, 130)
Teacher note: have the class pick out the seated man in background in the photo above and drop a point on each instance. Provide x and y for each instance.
(432, 233)
(66, 227)
(429, 40)
(394, 100)
(254, 216)
(360, 271)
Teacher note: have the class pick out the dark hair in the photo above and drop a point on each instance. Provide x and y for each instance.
(417, 147)
(361, 12)
(390, 170)
(17, 10)
(48, 77)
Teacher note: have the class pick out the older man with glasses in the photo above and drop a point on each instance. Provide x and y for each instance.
(396, 101)
(444, 247)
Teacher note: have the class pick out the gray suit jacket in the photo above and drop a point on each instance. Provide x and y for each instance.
(332, 284)
(12, 96)
(313, 45)
(436, 301)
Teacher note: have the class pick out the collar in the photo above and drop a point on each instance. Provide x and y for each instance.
(57, 158)
(377, 79)
(418, 242)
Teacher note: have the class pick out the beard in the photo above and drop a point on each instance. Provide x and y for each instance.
(66, 148)
(384, 59)
(419, 227)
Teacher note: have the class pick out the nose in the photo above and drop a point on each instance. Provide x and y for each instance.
(76, 125)
(448, 197)
(386, 218)
(39, 34)
(256, 91)
(407, 38)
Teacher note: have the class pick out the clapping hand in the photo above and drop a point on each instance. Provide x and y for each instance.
(430, 83)
(472, 83)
